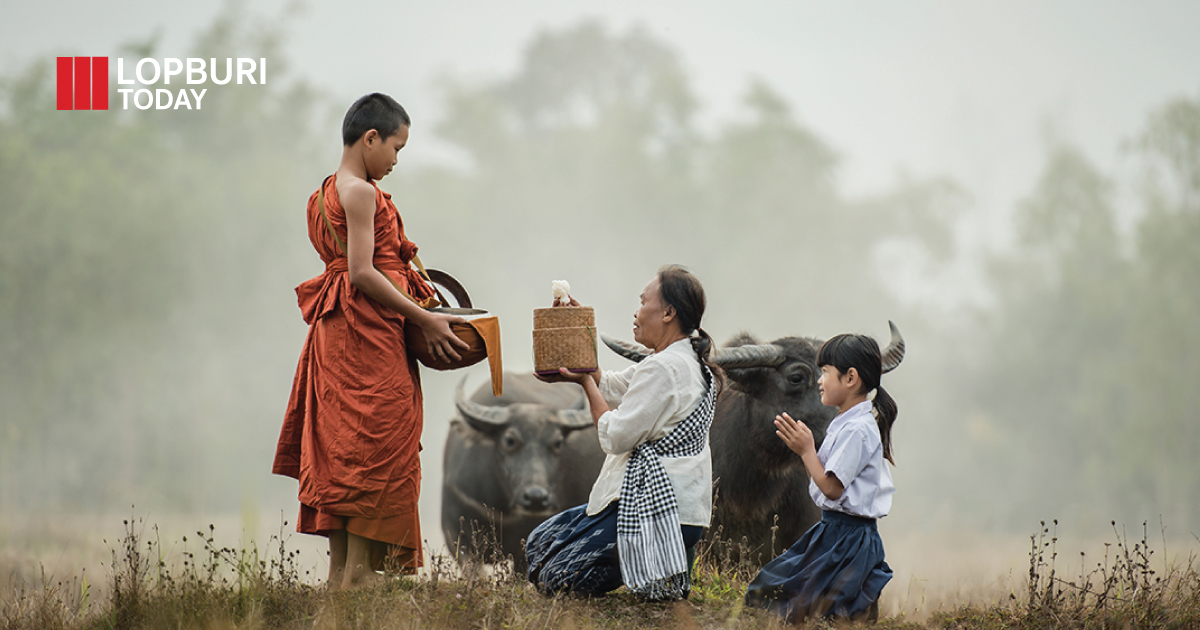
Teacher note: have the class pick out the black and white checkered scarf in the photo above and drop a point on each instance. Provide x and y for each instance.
(649, 542)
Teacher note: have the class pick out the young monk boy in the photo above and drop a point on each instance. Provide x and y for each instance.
(352, 430)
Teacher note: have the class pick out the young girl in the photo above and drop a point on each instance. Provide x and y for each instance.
(837, 568)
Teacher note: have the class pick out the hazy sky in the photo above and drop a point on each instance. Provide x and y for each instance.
(970, 90)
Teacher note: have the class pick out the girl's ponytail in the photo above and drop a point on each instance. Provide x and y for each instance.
(862, 353)
(885, 417)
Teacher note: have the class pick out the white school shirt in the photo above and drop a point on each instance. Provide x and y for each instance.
(648, 400)
(853, 452)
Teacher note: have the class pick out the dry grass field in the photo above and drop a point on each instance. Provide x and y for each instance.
(135, 573)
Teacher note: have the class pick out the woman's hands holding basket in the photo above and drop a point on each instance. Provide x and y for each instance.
(564, 375)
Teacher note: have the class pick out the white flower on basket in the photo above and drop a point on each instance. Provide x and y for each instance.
(562, 291)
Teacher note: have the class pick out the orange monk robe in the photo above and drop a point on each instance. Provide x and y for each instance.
(352, 431)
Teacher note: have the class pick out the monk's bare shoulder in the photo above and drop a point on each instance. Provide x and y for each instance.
(357, 196)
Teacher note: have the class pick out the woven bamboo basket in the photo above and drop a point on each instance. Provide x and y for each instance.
(564, 317)
(564, 337)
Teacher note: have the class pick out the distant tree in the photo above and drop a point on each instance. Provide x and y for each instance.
(1059, 361)
(1087, 381)
(1162, 433)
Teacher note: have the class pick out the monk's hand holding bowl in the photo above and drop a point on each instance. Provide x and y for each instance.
(441, 340)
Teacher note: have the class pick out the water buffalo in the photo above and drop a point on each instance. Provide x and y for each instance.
(756, 477)
(513, 461)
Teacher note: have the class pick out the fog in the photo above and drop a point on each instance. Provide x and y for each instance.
(1014, 185)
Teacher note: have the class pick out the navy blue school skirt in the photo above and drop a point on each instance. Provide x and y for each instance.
(836, 569)
(577, 553)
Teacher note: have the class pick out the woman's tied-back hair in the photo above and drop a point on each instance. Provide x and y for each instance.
(680, 290)
(862, 353)
(373, 111)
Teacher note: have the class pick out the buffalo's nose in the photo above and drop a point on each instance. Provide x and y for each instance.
(535, 498)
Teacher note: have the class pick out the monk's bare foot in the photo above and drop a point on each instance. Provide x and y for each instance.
(338, 541)
(359, 577)
(336, 578)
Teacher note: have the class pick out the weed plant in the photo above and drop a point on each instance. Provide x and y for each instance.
(206, 586)
(1122, 590)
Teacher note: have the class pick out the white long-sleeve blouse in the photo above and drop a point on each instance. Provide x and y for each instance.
(648, 400)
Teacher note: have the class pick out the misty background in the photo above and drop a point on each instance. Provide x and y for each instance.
(1017, 187)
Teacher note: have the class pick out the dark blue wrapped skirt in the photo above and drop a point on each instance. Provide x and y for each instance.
(836, 569)
(577, 553)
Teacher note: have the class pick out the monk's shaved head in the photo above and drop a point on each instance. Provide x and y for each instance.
(373, 111)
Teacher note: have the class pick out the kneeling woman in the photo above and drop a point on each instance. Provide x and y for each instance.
(653, 497)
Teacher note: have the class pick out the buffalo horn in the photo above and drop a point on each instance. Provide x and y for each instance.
(759, 355)
(631, 351)
(480, 417)
(574, 419)
(755, 355)
(894, 353)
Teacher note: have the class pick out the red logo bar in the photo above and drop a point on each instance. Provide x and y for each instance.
(66, 91)
(99, 82)
(82, 83)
